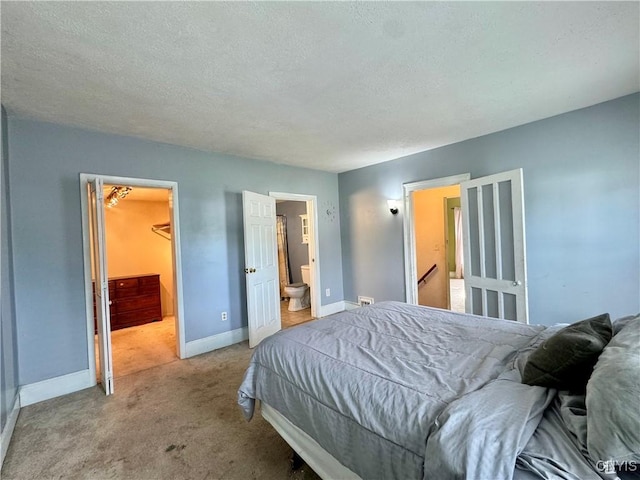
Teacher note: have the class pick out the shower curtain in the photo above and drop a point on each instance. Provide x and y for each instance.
(457, 218)
(283, 253)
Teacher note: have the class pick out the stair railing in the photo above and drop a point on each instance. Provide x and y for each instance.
(423, 278)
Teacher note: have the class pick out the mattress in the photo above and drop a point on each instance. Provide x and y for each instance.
(383, 387)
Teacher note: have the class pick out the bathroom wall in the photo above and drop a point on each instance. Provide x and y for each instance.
(298, 251)
(429, 211)
(133, 249)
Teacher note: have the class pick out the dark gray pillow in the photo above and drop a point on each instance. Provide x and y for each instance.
(565, 360)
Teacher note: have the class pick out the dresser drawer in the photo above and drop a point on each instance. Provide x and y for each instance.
(137, 303)
(149, 280)
(128, 292)
(126, 283)
(148, 290)
(136, 317)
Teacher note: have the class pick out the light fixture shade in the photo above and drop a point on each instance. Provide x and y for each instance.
(116, 194)
(394, 206)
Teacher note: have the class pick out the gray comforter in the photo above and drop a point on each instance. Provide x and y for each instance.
(400, 391)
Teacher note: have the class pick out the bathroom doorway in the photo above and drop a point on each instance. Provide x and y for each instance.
(293, 262)
(297, 258)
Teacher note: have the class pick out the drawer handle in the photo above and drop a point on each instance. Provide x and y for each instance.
(121, 284)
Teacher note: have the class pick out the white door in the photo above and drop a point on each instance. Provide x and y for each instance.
(261, 266)
(495, 273)
(100, 282)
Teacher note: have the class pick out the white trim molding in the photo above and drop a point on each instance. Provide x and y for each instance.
(7, 431)
(351, 305)
(326, 310)
(214, 342)
(55, 387)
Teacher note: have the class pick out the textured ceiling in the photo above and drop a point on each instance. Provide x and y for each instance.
(329, 86)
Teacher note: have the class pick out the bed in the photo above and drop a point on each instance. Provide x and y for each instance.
(401, 391)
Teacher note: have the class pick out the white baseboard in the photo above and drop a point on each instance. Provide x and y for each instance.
(214, 342)
(351, 305)
(55, 387)
(332, 308)
(7, 431)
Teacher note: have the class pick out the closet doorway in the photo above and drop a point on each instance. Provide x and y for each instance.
(133, 268)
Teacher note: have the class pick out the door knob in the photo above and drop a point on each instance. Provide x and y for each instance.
(517, 283)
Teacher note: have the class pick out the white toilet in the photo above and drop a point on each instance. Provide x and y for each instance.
(298, 293)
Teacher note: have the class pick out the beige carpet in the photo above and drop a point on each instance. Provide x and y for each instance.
(137, 348)
(175, 421)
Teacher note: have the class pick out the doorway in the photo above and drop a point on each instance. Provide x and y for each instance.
(140, 272)
(303, 254)
(495, 273)
(135, 321)
(428, 243)
(440, 283)
(261, 261)
(292, 222)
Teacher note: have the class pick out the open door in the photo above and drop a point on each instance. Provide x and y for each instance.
(100, 282)
(261, 266)
(494, 246)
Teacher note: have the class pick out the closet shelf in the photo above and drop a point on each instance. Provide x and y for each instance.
(162, 229)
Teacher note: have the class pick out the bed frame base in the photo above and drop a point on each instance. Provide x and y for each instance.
(323, 463)
(296, 461)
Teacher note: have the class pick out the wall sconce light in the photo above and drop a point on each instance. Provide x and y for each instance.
(116, 194)
(394, 206)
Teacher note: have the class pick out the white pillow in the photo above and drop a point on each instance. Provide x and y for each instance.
(613, 399)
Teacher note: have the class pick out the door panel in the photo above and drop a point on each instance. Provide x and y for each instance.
(101, 284)
(494, 246)
(261, 267)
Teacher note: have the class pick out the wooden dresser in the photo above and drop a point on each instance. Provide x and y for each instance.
(135, 300)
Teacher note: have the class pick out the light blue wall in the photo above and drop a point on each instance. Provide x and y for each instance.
(582, 202)
(298, 251)
(46, 161)
(9, 352)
